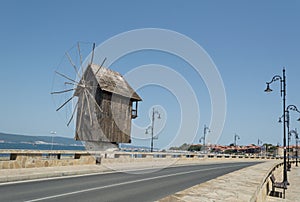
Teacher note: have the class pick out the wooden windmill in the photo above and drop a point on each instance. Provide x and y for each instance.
(105, 104)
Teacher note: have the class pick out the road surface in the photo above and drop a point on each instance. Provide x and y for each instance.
(117, 186)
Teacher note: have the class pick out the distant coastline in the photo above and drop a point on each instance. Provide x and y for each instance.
(27, 146)
(27, 142)
(13, 141)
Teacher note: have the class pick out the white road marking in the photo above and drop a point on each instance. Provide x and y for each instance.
(129, 182)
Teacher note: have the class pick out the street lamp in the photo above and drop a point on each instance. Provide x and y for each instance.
(283, 95)
(206, 129)
(297, 140)
(296, 137)
(287, 111)
(258, 143)
(236, 137)
(154, 112)
(52, 133)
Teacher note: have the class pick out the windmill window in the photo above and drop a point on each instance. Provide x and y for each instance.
(134, 110)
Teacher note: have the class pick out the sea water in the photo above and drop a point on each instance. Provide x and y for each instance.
(28, 146)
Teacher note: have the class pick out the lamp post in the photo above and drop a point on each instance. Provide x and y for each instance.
(297, 140)
(283, 95)
(258, 143)
(52, 133)
(277, 147)
(206, 129)
(154, 112)
(296, 137)
(287, 111)
(236, 137)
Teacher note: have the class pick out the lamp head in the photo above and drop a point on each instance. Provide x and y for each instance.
(279, 121)
(268, 89)
(159, 116)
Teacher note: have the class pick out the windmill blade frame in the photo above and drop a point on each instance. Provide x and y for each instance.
(72, 63)
(80, 57)
(63, 91)
(73, 113)
(80, 85)
(66, 77)
(89, 108)
(93, 51)
(100, 66)
(65, 103)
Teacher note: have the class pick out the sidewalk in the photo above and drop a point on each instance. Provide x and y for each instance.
(232, 187)
(240, 186)
(292, 193)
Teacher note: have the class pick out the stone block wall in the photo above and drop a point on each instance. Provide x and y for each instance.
(32, 159)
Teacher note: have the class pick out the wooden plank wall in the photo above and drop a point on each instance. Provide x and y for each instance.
(115, 119)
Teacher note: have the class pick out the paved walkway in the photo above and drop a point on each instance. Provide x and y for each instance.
(239, 186)
(232, 187)
(292, 194)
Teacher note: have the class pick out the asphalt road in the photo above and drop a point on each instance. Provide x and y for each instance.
(150, 186)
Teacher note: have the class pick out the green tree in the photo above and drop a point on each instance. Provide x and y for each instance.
(195, 148)
(183, 147)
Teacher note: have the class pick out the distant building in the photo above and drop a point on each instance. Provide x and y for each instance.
(117, 105)
(249, 149)
(291, 151)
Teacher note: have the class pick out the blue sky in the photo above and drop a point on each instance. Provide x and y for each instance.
(249, 42)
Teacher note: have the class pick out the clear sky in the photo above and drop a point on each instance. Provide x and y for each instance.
(249, 42)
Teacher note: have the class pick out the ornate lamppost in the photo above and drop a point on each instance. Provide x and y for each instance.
(52, 136)
(258, 143)
(296, 137)
(283, 95)
(297, 140)
(154, 112)
(206, 129)
(287, 112)
(236, 137)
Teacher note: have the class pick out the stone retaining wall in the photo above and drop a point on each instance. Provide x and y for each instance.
(29, 159)
(10, 159)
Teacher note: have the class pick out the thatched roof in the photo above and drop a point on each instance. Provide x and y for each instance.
(112, 81)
